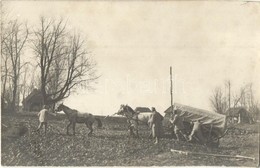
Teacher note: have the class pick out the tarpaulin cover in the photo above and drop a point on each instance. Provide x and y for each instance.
(210, 120)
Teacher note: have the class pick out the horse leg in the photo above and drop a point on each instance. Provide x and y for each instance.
(137, 134)
(135, 127)
(133, 132)
(130, 131)
(150, 135)
(68, 127)
(73, 126)
(89, 126)
(91, 129)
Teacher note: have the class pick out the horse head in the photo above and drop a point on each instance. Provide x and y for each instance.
(125, 110)
(121, 110)
(59, 108)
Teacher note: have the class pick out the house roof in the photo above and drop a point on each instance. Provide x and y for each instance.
(142, 109)
(32, 95)
(235, 111)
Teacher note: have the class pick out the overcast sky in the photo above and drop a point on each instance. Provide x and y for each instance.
(135, 43)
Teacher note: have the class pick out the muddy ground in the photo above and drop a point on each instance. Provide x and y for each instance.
(111, 145)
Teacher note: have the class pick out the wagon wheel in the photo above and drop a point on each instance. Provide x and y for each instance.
(212, 138)
(213, 142)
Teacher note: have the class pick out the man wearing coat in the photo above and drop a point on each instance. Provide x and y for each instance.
(156, 125)
(179, 128)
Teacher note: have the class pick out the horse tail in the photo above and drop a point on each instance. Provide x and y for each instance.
(99, 122)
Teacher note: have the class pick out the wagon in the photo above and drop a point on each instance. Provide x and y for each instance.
(213, 124)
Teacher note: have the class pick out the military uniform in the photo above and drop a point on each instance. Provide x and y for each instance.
(156, 125)
(179, 128)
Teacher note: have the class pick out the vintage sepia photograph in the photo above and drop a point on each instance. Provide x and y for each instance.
(130, 83)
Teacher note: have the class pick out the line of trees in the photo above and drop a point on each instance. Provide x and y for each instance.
(61, 61)
(223, 99)
(14, 37)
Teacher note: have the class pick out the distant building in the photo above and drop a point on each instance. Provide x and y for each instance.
(239, 115)
(142, 110)
(33, 102)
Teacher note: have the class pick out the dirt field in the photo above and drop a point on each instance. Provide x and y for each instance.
(111, 146)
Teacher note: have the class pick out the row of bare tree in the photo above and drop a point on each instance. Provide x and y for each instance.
(223, 99)
(48, 57)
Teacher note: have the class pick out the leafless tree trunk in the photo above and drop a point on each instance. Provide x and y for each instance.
(238, 98)
(248, 101)
(4, 73)
(244, 98)
(218, 101)
(26, 83)
(250, 98)
(4, 58)
(15, 40)
(62, 59)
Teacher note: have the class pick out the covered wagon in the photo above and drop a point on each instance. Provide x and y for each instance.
(213, 124)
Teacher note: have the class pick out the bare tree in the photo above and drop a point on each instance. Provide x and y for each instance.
(27, 83)
(255, 110)
(4, 73)
(240, 98)
(15, 37)
(244, 98)
(63, 60)
(247, 100)
(218, 101)
(4, 57)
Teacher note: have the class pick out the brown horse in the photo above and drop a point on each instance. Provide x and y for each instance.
(75, 116)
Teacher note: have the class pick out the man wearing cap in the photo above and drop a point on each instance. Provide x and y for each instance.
(43, 117)
(156, 125)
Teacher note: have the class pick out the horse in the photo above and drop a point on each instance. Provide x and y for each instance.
(134, 119)
(75, 116)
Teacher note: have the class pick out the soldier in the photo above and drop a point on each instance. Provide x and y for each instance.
(179, 128)
(156, 125)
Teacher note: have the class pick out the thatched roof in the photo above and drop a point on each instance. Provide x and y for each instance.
(235, 111)
(35, 95)
(142, 109)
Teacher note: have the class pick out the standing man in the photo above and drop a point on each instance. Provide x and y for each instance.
(179, 128)
(156, 125)
(43, 117)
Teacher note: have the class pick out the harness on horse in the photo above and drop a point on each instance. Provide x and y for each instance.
(129, 119)
(133, 119)
(138, 121)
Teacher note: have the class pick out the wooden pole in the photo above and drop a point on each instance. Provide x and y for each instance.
(210, 154)
(171, 89)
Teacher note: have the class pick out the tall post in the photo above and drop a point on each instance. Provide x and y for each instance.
(229, 95)
(171, 89)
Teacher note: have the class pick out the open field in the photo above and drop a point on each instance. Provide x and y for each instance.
(111, 146)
